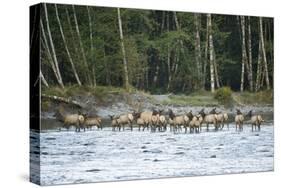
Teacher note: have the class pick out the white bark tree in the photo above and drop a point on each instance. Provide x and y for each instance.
(45, 45)
(264, 54)
(206, 55)
(71, 31)
(259, 68)
(66, 48)
(217, 82)
(211, 53)
(87, 70)
(244, 54)
(53, 48)
(43, 79)
(125, 64)
(198, 47)
(168, 57)
(92, 47)
(250, 54)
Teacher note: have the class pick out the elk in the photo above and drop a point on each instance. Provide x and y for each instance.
(76, 120)
(114, 123)
(93, 121)
(195, 124)
(146, 118)
(139, 120)
(209, 119)
(239, 119)
(154, 120)
(126, 119)
(178, 121)
(255, 120)
(221, 118)
(162, 122)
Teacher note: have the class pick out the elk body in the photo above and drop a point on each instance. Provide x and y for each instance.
(225, 120)
(194, 124)
(140, 122)
(239, 120)
(221, 118)
(209, 119)
(114, 123)
(255, 120)
(178, 121)
(155, 120)
(68, 120)
(126, 119)
(93, 121)
(145, 119)
(162, 123)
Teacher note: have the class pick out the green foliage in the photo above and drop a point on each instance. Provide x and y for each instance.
(258, 98)
(223, 95)
(150, 38)
(193, 99)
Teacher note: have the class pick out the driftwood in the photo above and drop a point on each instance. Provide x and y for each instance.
(64, 100)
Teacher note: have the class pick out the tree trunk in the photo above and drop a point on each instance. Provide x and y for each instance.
(87, 70)
(146, 77)
(169, 69)
(107, 78)
(125, 65)
(66, 48)
(198, 48)
(181, 51)
(53, 48)
(244, 54)
(168, 58)
(71, 31)
(163, 21)
(211, 53)
(176, 21)
(92, 47)
(250, 54)
(262, 77)
(178, 28)
(64, 100)
(270, 37)
(206, 55)
(43, 79)
(44, 43)
(155, 79)
(216, 70)
(259, 67)
(242, 77)
(264, 55)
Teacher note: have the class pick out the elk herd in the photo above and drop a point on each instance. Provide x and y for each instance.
(159, 120)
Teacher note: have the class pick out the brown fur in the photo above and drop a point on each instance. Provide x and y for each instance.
(255, 120)
(93, 121)
(239, 120)
(126, 119)
(76, 120)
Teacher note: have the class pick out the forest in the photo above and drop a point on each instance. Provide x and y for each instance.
(154, 51)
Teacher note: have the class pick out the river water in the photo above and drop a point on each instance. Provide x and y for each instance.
(103, 155)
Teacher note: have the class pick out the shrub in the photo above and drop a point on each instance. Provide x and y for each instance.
(223, 95)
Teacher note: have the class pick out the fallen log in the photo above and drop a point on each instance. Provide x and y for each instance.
(64, 100)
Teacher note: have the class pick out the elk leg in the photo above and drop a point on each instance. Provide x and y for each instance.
(222, 126)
